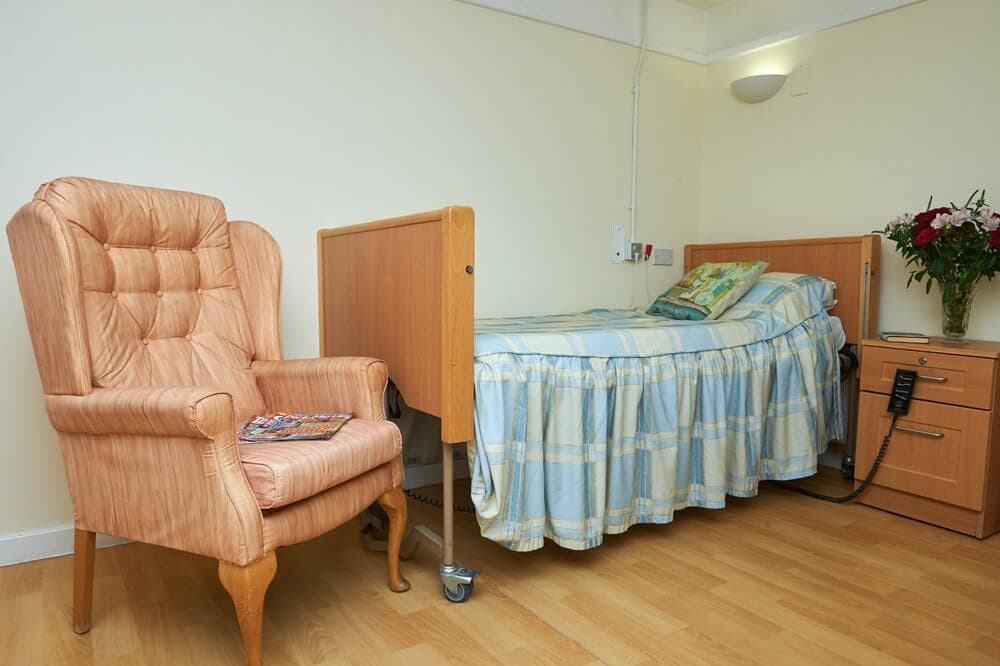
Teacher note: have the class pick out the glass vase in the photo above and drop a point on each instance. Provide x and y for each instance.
(956, 305)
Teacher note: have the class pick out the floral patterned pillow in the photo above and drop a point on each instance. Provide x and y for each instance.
(707, 291)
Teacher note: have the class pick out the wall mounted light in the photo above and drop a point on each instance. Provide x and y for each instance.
(759, 88)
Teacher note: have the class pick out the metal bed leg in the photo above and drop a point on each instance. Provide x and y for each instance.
(457, 581)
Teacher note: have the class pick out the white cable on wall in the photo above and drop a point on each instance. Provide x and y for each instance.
(635, 113)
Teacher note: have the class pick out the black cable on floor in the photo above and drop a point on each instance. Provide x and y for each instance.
(394, 410)
(864, 484)
(433, 501)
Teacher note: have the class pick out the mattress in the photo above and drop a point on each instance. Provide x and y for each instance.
(839, 334)
(588, 423)
(774, 305)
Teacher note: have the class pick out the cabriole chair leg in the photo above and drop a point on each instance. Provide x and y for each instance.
(247, 587)
(394, 504)
(83, 579)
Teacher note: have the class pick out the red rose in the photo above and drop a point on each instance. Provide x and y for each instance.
(925, 218)
(995, 236)
(925, 236)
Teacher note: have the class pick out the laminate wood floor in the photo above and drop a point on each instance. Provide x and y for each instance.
(778, 579)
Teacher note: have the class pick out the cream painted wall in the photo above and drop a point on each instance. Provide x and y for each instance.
(308, 114)
(900, 106)
(312, 114)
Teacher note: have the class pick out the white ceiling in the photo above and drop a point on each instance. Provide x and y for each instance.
(701, 31)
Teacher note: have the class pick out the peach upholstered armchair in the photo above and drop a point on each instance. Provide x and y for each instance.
(154, 322)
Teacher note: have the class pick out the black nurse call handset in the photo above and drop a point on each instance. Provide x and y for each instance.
(902, 392)
(899, 405)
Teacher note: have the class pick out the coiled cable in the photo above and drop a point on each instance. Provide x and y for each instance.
(864, 484)
(433, 501)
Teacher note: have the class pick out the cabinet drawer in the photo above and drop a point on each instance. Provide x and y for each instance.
(937, 451)
(949, 378)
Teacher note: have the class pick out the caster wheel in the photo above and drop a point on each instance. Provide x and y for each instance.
(462, 594)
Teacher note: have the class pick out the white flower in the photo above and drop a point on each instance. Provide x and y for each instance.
(900, 220)
(987, 221)
(960, 217)
(941, 221)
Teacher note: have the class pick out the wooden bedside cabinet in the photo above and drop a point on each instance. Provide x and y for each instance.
(943, 463)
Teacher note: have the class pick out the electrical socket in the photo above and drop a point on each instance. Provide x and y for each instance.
(636, 254)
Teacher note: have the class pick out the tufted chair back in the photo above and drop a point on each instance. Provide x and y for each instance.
(144, 291)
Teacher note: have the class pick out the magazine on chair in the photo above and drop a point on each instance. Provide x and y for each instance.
(281, 427)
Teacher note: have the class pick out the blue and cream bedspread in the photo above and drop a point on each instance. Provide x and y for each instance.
(589, 423)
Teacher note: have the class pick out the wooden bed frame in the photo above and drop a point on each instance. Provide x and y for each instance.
(404, 287)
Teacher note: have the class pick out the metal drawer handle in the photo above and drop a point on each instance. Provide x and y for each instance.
(918, 431)
(932, 378)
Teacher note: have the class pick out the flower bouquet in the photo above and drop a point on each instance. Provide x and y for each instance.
(955, 246)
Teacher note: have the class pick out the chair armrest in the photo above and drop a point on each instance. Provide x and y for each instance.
(159, 465)
(346, 383)
(182, 411)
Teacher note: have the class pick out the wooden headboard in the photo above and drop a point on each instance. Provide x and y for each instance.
(852, 262)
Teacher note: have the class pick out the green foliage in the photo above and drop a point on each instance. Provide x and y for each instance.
(959, 255)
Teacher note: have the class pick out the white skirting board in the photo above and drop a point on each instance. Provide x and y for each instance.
(40, 544)
(56, 541)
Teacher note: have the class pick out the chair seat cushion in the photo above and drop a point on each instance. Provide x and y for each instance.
(281, 473)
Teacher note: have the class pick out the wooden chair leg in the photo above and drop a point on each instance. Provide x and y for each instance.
(394, 504)
(83, 579)
(247, 587)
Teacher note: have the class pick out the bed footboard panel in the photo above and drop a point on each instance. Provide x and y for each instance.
(402, 290)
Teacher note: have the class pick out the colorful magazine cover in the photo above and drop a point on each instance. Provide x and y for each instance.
(281, 427)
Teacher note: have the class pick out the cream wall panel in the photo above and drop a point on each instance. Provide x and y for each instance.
(310, 114)
(899, 106)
